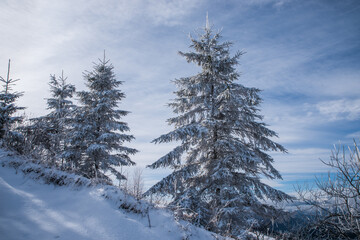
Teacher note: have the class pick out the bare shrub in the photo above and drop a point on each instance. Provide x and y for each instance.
(336, 201)
(134, 183)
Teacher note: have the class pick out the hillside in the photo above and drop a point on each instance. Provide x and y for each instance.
(32, 207)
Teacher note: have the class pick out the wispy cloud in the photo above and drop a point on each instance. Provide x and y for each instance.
(354, 135)
(302, 160)
(348, 109)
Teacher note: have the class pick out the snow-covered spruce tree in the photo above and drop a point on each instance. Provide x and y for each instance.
(98, 135)
(50, 132)
(223, 145)
(8, 108)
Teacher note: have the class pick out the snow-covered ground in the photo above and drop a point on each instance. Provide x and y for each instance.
(32, 210)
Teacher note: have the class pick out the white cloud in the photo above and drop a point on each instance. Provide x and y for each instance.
(272, 183)
(293, 122)
(170, 12)
(354, 135)
(348, 109)
(275, 3)
(44, 37)
(302, 160)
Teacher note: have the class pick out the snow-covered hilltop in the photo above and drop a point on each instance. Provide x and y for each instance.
(51, 204)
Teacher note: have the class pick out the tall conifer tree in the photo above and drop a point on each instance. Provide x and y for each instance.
(8, 106)
(98, 135)
(50, 132)
(223, 144)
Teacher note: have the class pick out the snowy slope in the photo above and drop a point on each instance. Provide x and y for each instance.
(30, 209)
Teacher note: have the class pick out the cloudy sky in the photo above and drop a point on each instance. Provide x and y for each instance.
(304, 55)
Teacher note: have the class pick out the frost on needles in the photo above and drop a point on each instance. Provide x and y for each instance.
(98, 135)
(8, 109)
(224, 145)
(49, 133)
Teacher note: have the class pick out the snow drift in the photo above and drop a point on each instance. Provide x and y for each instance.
(45, 203)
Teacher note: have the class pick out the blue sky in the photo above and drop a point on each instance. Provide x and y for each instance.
(304, 55)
